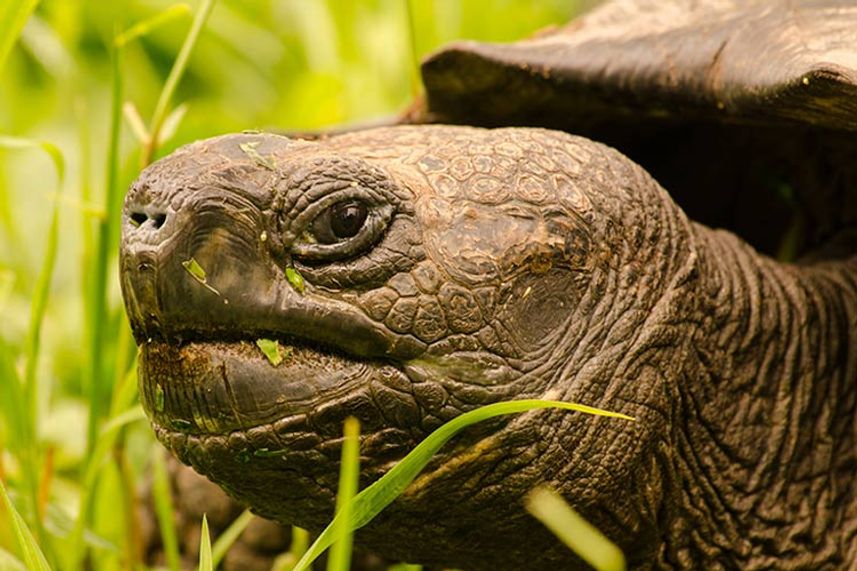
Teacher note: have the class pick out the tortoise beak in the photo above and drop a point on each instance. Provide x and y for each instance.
(184, 258)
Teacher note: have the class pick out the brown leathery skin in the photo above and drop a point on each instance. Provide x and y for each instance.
(510, 263)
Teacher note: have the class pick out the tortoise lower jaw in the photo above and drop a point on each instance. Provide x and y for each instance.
(220, 387)
(271, 435)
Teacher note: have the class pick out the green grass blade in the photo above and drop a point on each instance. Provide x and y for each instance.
(134, 414)
(12, 403)
(578, 534)
(416, 77)
(205, 559)
(173, 79)
(349, 474)
(43, 283)
(370, 502)
(34, 559)
(146, 26)
(300, 542)
(171, 124)
(104, 246)
(53, 152)
(13, 16)
(100, 456)
(19, 427)
(7, 281)
(87, 227)
(125, 392)
(164, 511)
(135, 122)
(226, 539)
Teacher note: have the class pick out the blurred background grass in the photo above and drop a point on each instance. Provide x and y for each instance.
(266, 64)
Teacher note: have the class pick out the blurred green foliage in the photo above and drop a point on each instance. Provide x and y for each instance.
(288, 65)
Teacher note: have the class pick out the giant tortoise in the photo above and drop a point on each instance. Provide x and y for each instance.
(415, 272)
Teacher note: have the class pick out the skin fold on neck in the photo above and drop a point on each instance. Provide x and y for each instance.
(765, 453)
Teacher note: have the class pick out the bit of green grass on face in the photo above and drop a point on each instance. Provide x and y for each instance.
(268, 453)
(296, 280)
(249, 149)
(159, 398)
(195, 270)
(181, 424)
(272, 350)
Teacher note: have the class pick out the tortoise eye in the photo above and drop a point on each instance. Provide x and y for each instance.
(342, 230)
(346, 219)
(340, 222)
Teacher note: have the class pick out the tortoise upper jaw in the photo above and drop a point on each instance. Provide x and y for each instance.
(242, 297)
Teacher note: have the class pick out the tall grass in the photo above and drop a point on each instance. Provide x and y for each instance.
(21, 396)
(73, 448)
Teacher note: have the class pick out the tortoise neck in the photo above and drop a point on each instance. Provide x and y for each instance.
(769, 440)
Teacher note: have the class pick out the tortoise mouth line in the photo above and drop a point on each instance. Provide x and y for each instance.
(216, 387)
(181, 337)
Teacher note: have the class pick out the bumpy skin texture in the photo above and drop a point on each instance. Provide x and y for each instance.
(494, 265)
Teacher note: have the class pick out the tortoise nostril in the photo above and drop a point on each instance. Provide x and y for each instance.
(138, 218)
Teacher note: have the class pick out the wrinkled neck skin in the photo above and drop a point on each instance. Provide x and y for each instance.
(742, 375)
(764, 437)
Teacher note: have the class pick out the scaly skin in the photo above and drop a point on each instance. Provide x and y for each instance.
(495, 265)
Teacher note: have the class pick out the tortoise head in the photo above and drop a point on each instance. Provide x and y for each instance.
(407, 275)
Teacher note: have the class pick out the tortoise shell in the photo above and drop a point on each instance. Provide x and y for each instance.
(755, 62)
(744, 111)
